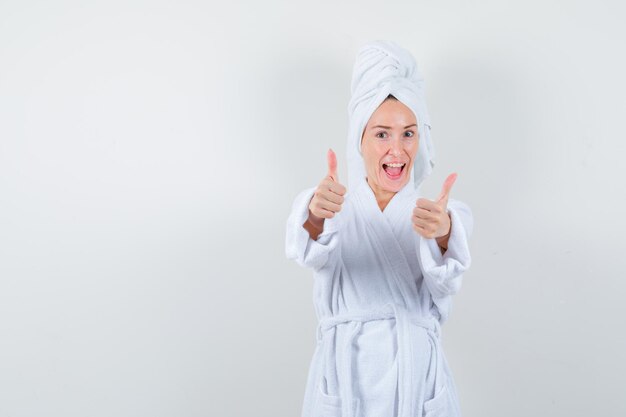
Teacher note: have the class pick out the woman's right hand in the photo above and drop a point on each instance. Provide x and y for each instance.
(328, 197)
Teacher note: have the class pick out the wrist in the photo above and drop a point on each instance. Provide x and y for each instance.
(442, 241)
(316, 222)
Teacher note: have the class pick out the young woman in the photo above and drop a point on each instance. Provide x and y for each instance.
(386, 260)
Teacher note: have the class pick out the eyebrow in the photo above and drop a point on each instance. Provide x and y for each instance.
(388, 127)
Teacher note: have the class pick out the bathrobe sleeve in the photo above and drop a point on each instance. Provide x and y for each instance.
(298, 243)
(443, 273)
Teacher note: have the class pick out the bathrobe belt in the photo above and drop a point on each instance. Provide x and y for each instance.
(406, 398)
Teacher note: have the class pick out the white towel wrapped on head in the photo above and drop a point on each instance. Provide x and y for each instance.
(382, 68)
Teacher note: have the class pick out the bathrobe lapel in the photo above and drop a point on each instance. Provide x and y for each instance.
(385, 230)
(385, 227)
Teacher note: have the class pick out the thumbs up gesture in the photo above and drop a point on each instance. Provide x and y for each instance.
(430, 218)
(328, 197)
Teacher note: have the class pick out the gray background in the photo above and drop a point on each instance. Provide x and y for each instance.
(150, 153)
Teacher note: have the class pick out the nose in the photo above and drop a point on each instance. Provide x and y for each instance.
(395, 147)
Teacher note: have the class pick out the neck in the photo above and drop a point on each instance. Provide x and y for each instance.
(383, 197)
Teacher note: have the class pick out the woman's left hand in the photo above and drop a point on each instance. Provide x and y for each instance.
(431, 219)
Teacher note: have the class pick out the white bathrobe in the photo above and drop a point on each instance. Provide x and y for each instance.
(381, 291)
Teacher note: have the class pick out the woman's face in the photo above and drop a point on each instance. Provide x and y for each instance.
(390, 137)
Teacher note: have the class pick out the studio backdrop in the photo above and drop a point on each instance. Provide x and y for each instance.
(150, 153)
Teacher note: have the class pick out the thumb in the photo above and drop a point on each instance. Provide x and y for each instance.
(447, 186)
(332, 165)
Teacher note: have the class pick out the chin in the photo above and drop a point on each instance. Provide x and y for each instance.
(397, 187)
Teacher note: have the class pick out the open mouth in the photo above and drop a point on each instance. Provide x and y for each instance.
(394, 171)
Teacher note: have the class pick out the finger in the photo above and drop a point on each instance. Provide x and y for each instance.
(421, 213)
(330, 206)
(426, 232)
(334, 186)
(421, 231)
(337, 188)
(332, 165)
(429, 205)
(447, 186)
(323, 213)
(331, 196)
(425, 224)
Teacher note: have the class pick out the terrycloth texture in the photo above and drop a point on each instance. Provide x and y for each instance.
(382, 68)
(381, 293)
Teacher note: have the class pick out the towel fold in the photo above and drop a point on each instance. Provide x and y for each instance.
(381, 68)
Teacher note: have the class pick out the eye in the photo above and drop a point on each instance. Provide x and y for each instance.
(380, 133)
(411, 133)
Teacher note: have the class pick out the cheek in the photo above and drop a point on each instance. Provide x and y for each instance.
(372, 158)
(412, 149)
(372, 165)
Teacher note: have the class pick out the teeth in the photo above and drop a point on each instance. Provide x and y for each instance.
(395, 165)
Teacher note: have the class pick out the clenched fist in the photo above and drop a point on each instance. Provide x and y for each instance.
(431, 219)
(327, 199)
